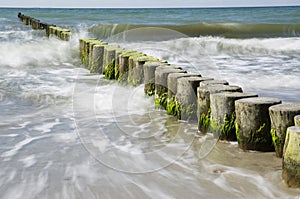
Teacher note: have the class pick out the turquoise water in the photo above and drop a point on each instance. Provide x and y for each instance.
(179, 16)
(67, 134)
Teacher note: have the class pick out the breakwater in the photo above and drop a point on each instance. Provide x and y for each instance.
(50, 29)
(217, 107)
(257, 123)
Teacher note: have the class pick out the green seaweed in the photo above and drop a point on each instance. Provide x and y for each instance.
(122, 76)
(226, 130)
(188, 112)
(259, 139)
(238, 135)
(204, 121)
(255, 137)
(110, 71)
(85, 50)
(278, 142)
(215, 127)
(149, 89)
(173, 107)
(160, 90)
(117, 71)
(161, 101)
(190, 109)
(93, 65)
(275, 138)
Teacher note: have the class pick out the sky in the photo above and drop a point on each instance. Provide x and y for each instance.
(145, 3)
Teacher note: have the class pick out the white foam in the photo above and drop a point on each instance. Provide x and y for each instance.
(46, 127)
(36, 53)
(120, 100)
(254, 64)
(21, 126)
(102, 145)
(10, 135)
(20, 145)
(69, 137)
(30, 187)
(28, 161)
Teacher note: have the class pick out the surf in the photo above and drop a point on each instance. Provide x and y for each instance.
(226, 30)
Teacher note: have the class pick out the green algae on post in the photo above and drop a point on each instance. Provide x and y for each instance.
(124, 64)
(282, 117)
(173, 107)
(138, 71)
(110, 71)
(204, 122)
(149, 77)
(291, 157)
(203, 101)
(97, 58)
(187, 96)
(253, 123)
(223, 113)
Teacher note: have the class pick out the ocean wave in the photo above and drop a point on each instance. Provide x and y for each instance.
(38, 53)
(252, 45)
(227, 30)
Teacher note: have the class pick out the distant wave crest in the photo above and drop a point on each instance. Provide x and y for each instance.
(227, 30)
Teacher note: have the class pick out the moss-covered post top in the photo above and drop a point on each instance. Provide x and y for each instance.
(260, 100)
(216, 88)
(235, 95)
(167, 66)
(155, 63)
(286, 107)
(130, 53)
(210, 82)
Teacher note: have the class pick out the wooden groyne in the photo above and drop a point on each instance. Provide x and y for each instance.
(51, 29)
(256, 123)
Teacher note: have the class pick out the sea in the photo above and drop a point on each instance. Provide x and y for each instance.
(66, 133)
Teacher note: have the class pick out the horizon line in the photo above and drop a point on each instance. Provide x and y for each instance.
(175, 7)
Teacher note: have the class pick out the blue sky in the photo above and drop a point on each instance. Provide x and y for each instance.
(144, 3)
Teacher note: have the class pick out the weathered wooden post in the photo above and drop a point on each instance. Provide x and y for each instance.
(90, 55)
(84, 49)
(124, 64)
(138, 70)
(161, 83)
(52, 30)
(149, 76)
(119, 52)
(222, 121)
(65, 35)
(203, 99)
(211, 82)
(291, 157)
(108, 68)
(282, 117)
(172, 82)
(173, 106)
(97, 57)
(132, 64)
(187, 96)
(253, 123)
